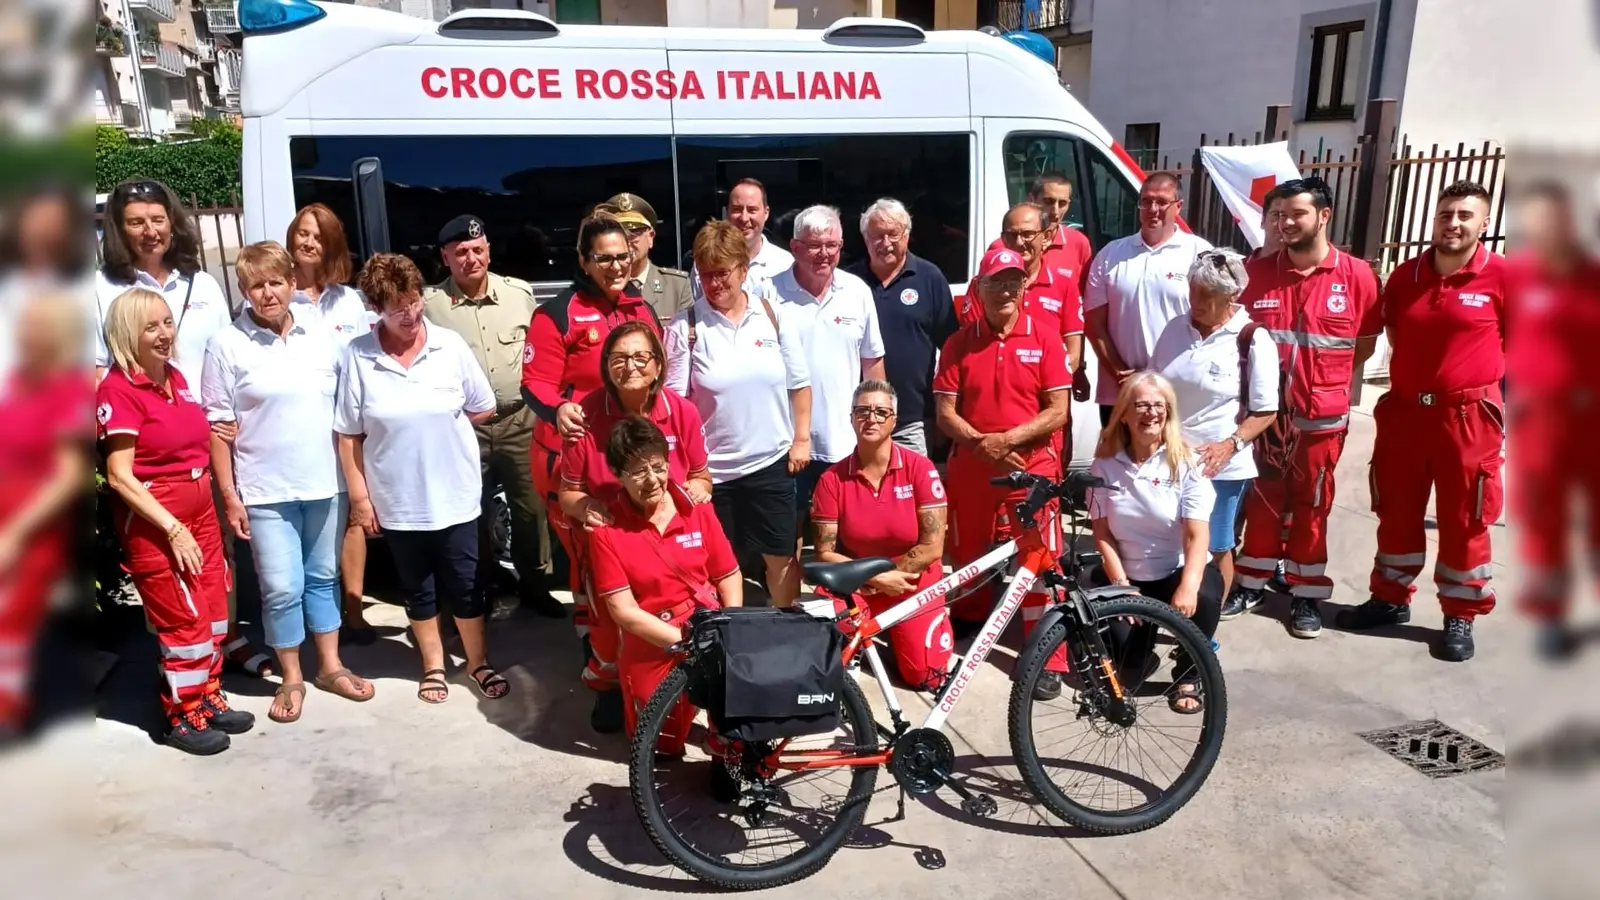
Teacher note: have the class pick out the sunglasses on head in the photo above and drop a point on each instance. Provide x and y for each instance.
(141, 189)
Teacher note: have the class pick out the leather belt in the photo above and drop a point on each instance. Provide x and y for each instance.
(508, 410)
(1461, 397)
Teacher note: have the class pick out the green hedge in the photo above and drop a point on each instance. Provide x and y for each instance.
(27, 162)
(207, 167)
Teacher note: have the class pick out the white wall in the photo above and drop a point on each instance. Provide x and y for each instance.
(1214, 66)
(1504, 71)
(1074, 62)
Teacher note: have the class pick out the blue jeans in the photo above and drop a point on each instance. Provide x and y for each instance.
(295, 546)
(1225, 514)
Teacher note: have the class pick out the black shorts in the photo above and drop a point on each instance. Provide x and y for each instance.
(757, 511)
(435, 565)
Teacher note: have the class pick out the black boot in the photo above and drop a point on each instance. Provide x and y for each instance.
(1374, 613)
(724, 787)
(1279, 582)
(225, 718)
(606, 717)
(191, 732)
(536, 597)
(1555, 642)
(1241, 601)
(1456, 646)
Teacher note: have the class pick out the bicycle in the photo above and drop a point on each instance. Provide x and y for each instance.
(1106, 693)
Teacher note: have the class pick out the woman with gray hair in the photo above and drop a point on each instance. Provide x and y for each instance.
(1204, 355)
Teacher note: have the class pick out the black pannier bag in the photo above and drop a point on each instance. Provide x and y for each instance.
(771, 674)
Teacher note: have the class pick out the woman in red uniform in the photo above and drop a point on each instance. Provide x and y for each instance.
(158, 463)
(562, 364)
(43, 469)
(632, 365)
(660, 558)
(885, 500)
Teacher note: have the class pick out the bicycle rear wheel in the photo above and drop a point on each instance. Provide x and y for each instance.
(1089, 770)
(788, 822)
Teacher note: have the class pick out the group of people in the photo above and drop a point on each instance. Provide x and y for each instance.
(679, 431)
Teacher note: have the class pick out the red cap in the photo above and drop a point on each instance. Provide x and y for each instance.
(1000, 259)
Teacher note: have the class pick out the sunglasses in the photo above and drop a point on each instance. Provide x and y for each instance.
(875, 413)
(143, 189)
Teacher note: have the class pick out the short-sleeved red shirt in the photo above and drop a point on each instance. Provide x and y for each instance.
(1554, 324)
(1000, 383)
(630, 554)
(36, 417)
(1448, 333)
(1316, 319)
(171, 436)
(561, 358)
(1054, 302)
(879, 521)
(583, 461)
(1067, 258)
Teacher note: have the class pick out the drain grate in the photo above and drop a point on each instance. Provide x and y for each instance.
(1435, 749)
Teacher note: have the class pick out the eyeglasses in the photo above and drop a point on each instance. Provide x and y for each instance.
(819, 247)
(1024, 237)
(1150, 406)
(639, 473)
(637, 360)
(612, 260)
(400, 308)
(893, 236)
(143, 189)
(875, 413)
(721, 276)
(1155, 204)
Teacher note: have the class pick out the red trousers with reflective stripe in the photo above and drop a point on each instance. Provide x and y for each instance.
(189, 613)
(641, 669)
(1304, 496)
(981, 516)
(1450, 449)
(24, 601)
(1552, 463)
(590, 619)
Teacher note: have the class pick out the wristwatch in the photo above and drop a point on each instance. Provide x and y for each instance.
(1238, 445)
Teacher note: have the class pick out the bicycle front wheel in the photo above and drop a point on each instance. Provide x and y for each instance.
(797, 802)
(1118, 767)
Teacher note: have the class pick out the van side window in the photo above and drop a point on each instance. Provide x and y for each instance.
(1104, 205)
(531, 192)
(930, 173)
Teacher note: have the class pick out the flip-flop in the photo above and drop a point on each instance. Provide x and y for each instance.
(432, 682)
(298, 689)
(1186, 690)
(487, 684)
(242, 657)
(330, 683)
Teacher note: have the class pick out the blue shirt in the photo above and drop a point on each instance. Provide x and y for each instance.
(916, 315)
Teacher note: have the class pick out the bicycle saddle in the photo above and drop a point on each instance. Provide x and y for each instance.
(846, 578)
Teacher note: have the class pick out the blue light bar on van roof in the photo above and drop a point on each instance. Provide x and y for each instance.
(1031, 41)
(271, 16)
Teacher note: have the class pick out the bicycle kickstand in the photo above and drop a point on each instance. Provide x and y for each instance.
(973, 803)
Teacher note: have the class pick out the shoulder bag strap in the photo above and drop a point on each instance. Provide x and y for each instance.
(1246, 338)
(185, 311)
(701, 591)
(776, 334)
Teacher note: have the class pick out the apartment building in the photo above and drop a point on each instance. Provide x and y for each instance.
(160, 64)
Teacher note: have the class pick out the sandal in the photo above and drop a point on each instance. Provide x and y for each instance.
(493, 686)
(330, 683)
(243, 657)
(1186, 699)
(280, 700)
(433, 684)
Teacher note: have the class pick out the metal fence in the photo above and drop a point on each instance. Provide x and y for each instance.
(1414, 182)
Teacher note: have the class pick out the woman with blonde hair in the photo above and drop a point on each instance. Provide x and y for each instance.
(1152, 519)
(158, 464)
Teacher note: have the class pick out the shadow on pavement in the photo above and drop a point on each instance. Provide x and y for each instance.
(1017, 811)
(607, 841)
(1275, 606)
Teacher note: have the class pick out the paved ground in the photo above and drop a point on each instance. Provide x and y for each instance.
(394, 799)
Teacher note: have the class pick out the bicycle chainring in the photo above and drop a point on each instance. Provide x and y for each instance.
(923, 759)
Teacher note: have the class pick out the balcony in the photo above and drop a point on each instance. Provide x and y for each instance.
(108, 39)
(162, 57)
(1048, 16)
(221, 17)
(155, 10)
(205, 53)
(125, 115)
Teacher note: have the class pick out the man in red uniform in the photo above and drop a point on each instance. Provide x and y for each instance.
(1002, 391)
(1054, 302)
(1067, 253)
(1440, 426)
(1321, 306)
(1554, 303)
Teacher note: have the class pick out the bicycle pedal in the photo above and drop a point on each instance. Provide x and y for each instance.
(980, 805)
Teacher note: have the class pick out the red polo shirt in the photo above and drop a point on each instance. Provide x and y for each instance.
(171, 437)
(1448, 333)
(1316, 320)
(1000, 383)
(583, 461)
(1067, 257)
(630, 554)
(1054, 302)
(879, 521)
(561, 359)
(39, 416)
(1554, 325)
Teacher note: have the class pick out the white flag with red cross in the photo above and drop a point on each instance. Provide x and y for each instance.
(1244, 175)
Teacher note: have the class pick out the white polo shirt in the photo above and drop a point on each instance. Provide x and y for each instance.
(280, 391)
(839, 329)
(1142, 288)
(421, 455)
(208, 313)
(1205, 375)
(341, 310)
(770, 260)
(739, 376)
(1146, 509)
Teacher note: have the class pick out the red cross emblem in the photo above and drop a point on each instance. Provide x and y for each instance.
(835, 320)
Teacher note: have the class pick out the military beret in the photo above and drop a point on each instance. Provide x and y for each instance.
(631, 209)
(461, 228)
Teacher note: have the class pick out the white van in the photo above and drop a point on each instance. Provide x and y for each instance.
(399, 124)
